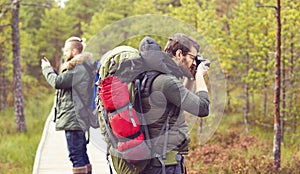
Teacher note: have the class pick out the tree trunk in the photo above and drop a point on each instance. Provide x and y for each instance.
(18, 92)
(247, 103)
(265, 100)
(3, 87)
(246, 111)
(266, 87)
(277, 130)
(283, 109)
(247, 87)
(2, 80)
(228, 97)
(292, 92)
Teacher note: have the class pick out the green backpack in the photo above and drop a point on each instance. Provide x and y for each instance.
(110, 64)
(138, 69)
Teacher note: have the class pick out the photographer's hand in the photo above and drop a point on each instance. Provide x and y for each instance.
(45, 63)
(202, 70)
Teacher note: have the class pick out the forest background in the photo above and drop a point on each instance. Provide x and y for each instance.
(242, 34)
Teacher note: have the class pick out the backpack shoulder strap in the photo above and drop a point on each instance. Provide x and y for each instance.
(91, 73)
(92, 70)
(146, 82)
(142, 87)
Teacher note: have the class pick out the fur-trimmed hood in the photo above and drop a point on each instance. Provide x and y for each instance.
(77, 60)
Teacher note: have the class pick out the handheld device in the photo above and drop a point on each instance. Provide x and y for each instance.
(198, 60)
(44, 58)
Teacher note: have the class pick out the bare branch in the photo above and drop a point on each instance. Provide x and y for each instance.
(36, 4)
(266, 6)
(4, 4)
(6, 9)
(4, 25)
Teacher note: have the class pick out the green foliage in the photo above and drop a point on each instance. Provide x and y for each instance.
(31, 16)
(238, 32)
(6, 68)
(17, 151)
(111, 12)
(290, 52)
(83, 10)
(56, 27)
(98, 21)
(147, 7)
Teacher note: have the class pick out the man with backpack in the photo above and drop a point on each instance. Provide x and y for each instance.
(72, 86)
(161, 100)
(170, 98)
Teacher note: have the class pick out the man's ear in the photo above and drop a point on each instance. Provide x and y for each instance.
(178, 54)
(74, 51)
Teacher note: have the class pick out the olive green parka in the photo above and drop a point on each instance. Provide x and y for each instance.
(68, 103)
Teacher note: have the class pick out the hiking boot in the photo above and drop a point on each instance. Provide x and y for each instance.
(89, 168)
(80, 170)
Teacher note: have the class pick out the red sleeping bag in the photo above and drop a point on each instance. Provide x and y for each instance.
(113, 93)
(122, 117)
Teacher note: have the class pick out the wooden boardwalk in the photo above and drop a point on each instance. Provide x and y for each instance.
(52, 154)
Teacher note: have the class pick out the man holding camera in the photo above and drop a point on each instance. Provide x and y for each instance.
(169, 98)
(165, 98)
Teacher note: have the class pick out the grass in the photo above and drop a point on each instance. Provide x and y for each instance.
(17, 150)
(231, 150)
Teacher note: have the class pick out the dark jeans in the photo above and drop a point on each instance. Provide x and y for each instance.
(77, 147)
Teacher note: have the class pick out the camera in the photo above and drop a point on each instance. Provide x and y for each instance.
(198, 60)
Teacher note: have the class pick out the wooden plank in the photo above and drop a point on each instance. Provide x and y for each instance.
(52, 154)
